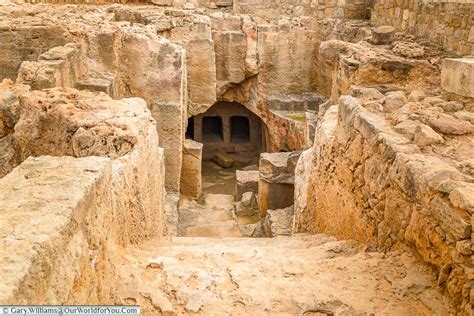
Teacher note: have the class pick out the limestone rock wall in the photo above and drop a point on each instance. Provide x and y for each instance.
(9, 116)
(370, 183)
(155, 70)
(70, 224)
(58, 67)
(19, 42)
(67, 122)
(349, 9)
(80, 208)
(449, 23)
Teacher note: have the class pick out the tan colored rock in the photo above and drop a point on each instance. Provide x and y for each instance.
(247, 205)
(408, 49)
(246, 181)
(161, 82)
(58, 67)
(394, 101)
(416, 96)
(367, 94)
(191, 171)
(407, 127)
(425, 136)
(223, 160)
(447, 124)
(457, 76)
(278, 222)
(231, 51)
(465, 115)
(383, 35)
(463, 197)
(304, 265)
(278, 167)
(25, 42)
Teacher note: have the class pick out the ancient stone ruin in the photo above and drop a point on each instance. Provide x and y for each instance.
(222, 157)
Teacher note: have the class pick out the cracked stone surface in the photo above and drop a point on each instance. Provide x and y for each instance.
(318, 275)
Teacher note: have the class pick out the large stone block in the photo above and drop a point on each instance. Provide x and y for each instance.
(274, 196)
(277, 178)
(191, 171)
(279, 167)
(457, 76)
(231, 50)
(58, 67)
(278, 222)
(246, 181)
(80, 124)
(156, 71)
(22, 42)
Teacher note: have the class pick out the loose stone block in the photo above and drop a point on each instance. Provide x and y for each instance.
(383, 35)
(191, 169)
(457, 76)
(279, 167)
(247, 206)
(277, 178)
(246, 181)
(425, 136)
(278, 222)
(223, 160)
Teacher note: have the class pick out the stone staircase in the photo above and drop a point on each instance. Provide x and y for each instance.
(212, 216)
(298, 275)
(211, 270)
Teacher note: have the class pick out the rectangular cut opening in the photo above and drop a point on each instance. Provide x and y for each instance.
(239, 129)
(212, 129)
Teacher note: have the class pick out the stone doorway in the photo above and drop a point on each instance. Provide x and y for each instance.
(230, 129)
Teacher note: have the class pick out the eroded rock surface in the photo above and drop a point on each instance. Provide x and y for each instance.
(248, 276)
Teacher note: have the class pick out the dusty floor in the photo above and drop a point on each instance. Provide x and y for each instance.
(247, 276)
(217, 180)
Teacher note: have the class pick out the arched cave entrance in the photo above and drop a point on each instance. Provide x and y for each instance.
(229, 129)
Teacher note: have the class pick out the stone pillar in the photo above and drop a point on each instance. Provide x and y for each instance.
(161, 82)
(277, 178)
(198, 128)
(191, 169)
(226, 128)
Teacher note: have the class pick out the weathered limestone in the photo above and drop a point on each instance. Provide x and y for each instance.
(70, 223)
(9, 116)
(391, 169)
(194, 34)
(457, 76)
(19, 42)
(372, 184)
(191, 171)
(58, 67)
(448, 23)
(276, 183)
(351, 9)
(223, 160)
(81, 208)
(171, 213)
(425, 136)
(278, 222)
(383, 35)
(161, 83)
(285, 275)
(247, 206)
(63, 122)
(246, 181)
